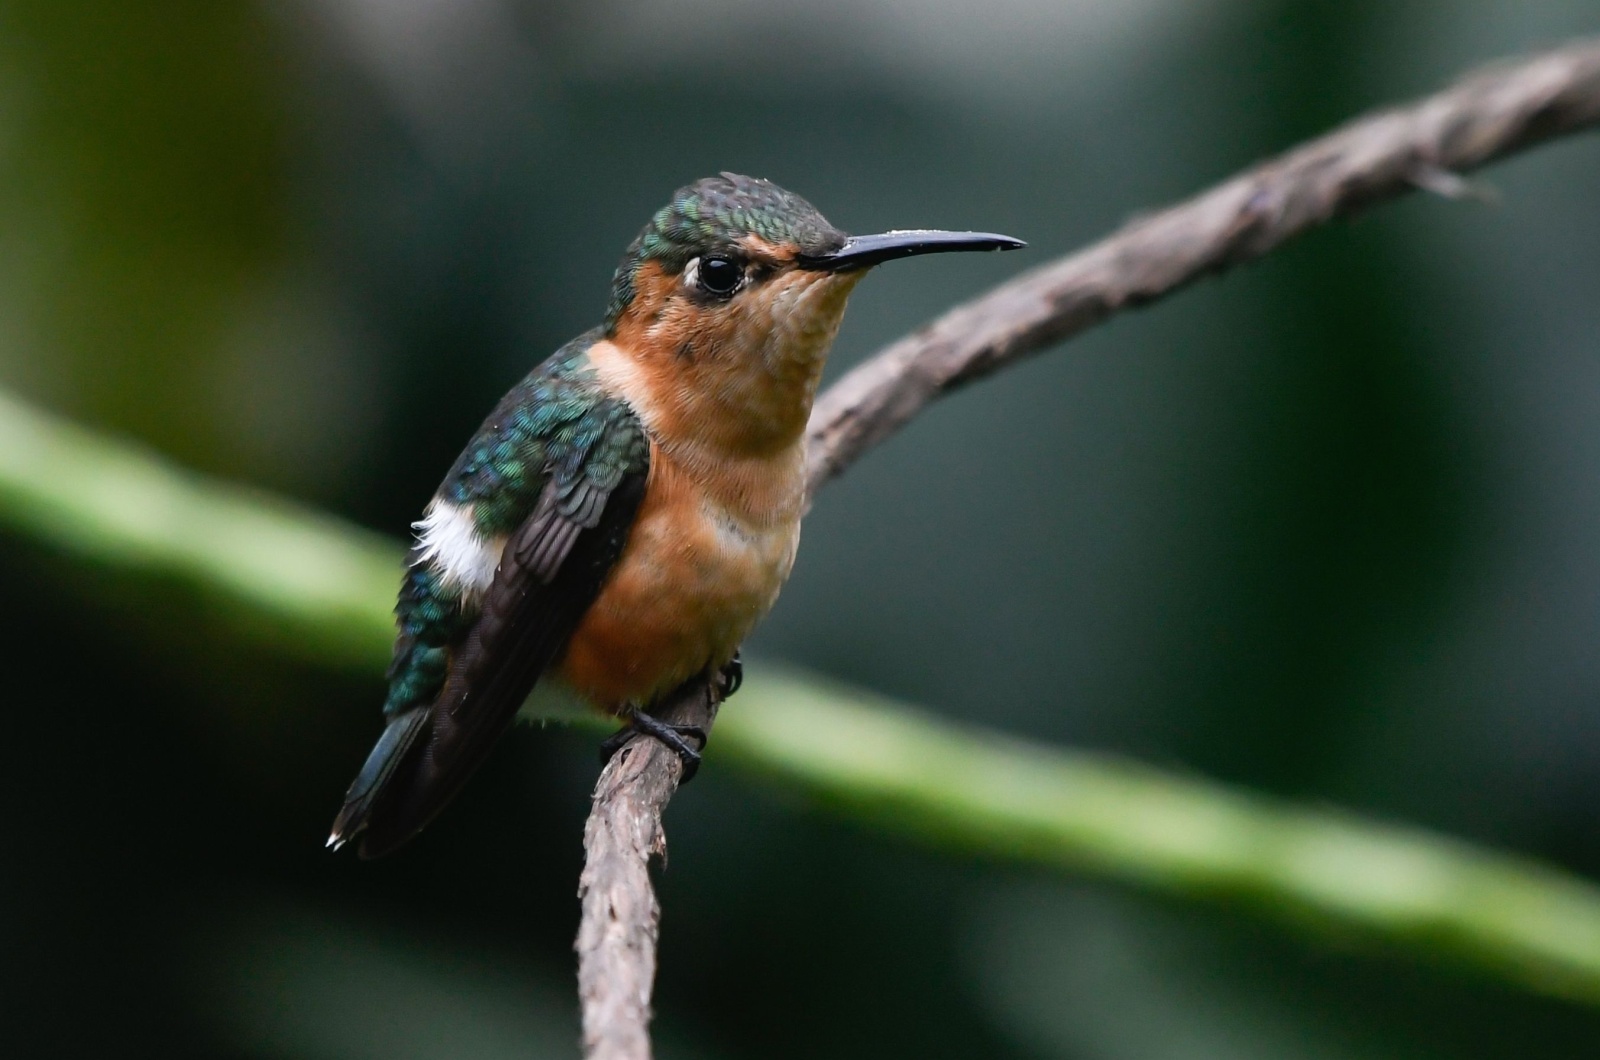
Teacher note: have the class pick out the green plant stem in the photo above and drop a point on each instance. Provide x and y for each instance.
(967, 788)
(322, 588)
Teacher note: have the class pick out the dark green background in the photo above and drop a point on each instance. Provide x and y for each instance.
(1327, 527)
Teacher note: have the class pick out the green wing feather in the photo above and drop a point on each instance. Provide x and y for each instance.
(560, 469)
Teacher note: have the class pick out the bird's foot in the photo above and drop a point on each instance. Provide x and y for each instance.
(731, 677)
(675, 737)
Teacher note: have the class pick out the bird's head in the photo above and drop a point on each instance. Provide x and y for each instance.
(737, 281)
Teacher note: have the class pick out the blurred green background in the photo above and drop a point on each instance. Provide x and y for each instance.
(1329, 528)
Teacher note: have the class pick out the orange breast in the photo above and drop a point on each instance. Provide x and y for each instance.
(711, 546)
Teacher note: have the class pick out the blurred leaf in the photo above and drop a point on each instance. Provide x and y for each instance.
(321, 588)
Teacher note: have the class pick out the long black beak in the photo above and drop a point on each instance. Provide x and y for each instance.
(863, 252)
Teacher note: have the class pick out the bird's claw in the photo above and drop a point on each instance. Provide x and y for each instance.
(675, 737)
(731, 677)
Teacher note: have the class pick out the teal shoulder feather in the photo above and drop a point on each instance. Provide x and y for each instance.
(557, 471)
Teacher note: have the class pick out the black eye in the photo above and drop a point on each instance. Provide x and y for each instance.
(719, 275)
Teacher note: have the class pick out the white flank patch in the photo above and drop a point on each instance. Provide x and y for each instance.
(450, 542)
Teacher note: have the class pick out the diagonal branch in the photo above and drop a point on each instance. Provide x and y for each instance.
(1487, 116)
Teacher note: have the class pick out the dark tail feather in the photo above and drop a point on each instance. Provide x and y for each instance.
(418, 783)
(392, 749)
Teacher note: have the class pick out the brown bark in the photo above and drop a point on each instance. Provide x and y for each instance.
(1424, 145)
(617, 936)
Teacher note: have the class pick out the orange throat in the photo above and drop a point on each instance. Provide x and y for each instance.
(736, 378)
(725, 405)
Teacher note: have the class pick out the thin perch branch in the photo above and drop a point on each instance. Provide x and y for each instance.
(1487, 116)
(617, 937)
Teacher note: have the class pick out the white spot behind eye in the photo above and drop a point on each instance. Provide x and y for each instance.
(691, 273)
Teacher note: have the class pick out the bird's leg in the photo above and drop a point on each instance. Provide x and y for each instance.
(731, 676)
(675, 737)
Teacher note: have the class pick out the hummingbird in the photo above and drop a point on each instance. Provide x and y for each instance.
(630, 510)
